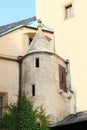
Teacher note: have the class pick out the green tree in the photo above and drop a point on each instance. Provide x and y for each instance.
(22, 116)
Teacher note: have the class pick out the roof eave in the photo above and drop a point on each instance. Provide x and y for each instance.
(37, 28)
(6, 32)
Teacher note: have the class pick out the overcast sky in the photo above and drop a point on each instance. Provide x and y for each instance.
(15, 10)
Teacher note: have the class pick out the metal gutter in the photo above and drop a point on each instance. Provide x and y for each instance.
(34, 24)
(69, 85)
(8, 58)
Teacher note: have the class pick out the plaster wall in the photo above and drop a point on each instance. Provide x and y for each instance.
(9, 79)
(46, 81)
(70, 39)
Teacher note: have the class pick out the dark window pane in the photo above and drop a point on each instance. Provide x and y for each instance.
(0, 122)
(30, 40)
(37, 62)
(0, 112)
(1, 101)
(33, 90)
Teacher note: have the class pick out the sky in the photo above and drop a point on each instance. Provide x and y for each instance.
(16, 10)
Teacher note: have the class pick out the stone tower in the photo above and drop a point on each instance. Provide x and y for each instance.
(44, 78)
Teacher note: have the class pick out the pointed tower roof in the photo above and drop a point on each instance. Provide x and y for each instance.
(40, 43)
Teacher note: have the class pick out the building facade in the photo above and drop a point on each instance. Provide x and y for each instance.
(30, 64)
(68, 18)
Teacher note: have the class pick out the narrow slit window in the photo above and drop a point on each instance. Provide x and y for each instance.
(33, 90)
(37, 62)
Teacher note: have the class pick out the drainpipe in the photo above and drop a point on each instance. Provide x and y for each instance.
(74, 97)
(20, 75)
(19, 92)
(69, 84)
(54, 42)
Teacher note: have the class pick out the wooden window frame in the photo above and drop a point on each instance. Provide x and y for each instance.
(4, 97)
(62, 78)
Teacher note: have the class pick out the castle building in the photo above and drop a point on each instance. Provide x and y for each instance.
(29, 64)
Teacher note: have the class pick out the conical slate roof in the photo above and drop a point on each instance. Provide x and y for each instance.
(40, 44)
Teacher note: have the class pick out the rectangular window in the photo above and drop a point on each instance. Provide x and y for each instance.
(62, 78)
(33, 90)
(1, 101)
(37, 62)
(3, 104)
(68, 11)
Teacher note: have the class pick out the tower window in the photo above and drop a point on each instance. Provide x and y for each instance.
(62, 78)
(33, 90)
(68, 11)
(37, 62)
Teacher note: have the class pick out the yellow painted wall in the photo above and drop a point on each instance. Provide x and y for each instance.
(9, 79)
(70, 39)
(16, 42)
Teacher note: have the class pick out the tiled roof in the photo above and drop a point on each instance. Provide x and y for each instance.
(30, 22)
(16, 24)
(72, 119)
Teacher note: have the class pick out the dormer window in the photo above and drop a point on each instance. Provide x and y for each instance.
(30, 40)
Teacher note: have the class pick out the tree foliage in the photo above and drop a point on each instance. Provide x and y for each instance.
(22, 116)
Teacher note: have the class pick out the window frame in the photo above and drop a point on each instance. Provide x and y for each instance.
(4, 97)
(68, 9)
(62, 78)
